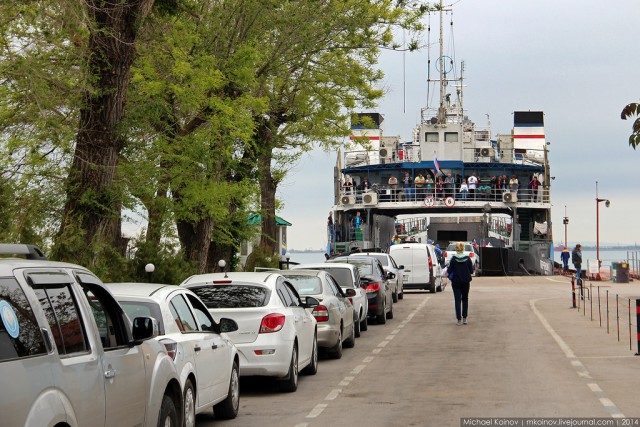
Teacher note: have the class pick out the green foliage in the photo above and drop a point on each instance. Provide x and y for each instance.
(631, 110)
(262, 259)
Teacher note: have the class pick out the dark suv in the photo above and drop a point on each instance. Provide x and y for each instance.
(375, 282)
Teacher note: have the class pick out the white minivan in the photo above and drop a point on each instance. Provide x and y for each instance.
(421, 268)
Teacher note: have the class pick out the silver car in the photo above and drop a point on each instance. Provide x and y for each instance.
(335, 315)
(206, 360)
(69, 355)
(347, 277)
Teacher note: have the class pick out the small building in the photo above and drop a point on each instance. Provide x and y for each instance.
(255, 219)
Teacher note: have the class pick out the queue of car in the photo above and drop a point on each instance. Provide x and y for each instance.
(60, 322)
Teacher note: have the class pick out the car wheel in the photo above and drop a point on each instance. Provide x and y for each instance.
(382, 318)
(351, 341)
(312, 367)
(228, 408)
(394, 297)
(364, 324)
(390, 313)
(290, 384)
(189, 405)
(401, 294)
(356, 327)
(335, 352)
(168, 414)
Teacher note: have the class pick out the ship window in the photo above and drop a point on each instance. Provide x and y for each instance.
(451, 137)
(431, 137)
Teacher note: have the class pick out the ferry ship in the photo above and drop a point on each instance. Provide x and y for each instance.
(375, 180)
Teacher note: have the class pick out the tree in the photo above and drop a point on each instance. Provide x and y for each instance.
(630, 110)
(319, 64)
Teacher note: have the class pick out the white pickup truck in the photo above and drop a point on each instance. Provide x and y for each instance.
(69, 355)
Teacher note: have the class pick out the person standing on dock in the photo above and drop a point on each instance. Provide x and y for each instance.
(460, 269)
(576, 259)
(564, 256)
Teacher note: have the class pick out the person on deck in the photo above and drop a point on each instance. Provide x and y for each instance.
(472, 181)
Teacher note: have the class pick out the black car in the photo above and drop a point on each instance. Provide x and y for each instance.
(375, 282)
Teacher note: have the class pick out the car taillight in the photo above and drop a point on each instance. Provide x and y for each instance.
(471, 255)
(321, 313)
(430, 264)
(171, 347)
(350, 300)
(444, 254)
(373, 287)
(272, 323)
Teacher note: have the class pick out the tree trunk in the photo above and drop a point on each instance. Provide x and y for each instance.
(268, 186)
(92, 207)
(195, 240)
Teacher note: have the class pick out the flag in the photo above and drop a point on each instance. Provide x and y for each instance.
(437, 165)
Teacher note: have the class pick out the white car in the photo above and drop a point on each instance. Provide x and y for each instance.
(468, 250)
(206, 360)
(348, 277)
(335, 315)
(389, 265)
(421, 267)
(276, 335)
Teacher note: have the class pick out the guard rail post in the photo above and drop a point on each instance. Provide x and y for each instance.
(573, 291)
(607, 311)
(638, 324)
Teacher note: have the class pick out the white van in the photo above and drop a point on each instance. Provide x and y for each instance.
(421, 268)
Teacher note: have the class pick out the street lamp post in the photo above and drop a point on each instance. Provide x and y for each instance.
(606, 203)
(149, 268)
(565, 221)
(222, 264)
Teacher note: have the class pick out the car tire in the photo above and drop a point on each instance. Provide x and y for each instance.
(290, 383)
(394, 297)
(335, 352)
(351, 341)
(189, 403)
(356, 327)
(401, 294)
(382, 318)
(229, 407)
(390, 313)
(312, 367)
(364, 324)
(168, 413)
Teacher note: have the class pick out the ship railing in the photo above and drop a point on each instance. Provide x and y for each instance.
(377, 194)
(408, 153)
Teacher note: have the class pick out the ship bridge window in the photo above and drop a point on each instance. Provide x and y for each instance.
(431, 137)
(451, 137)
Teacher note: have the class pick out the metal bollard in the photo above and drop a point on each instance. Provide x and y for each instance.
(607, 311)
(573, 291)
(638, 324)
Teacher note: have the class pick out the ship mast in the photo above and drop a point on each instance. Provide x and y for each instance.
(441, 110)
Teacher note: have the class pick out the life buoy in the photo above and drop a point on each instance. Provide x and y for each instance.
(429, 201)
(449, 202)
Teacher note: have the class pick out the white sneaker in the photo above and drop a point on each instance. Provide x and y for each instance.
(459, 322)
(464, 321)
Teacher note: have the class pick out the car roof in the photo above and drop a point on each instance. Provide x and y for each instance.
(348, 257)
(323, 265)
(253, 277)
(302, 272)
(139, 289)
(359, 254)
(7, 265)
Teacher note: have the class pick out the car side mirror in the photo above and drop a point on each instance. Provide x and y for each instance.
(144, 328)
(350, 292)
(228, 325)
(391, 276)
(310, 302)
(401, 267)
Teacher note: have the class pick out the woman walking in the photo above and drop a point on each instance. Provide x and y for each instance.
(460, 269)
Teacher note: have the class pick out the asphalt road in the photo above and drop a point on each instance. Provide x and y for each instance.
(524, 353)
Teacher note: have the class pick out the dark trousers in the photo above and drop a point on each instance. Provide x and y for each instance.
(461, 297)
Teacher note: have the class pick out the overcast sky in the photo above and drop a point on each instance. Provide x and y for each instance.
(576, 60)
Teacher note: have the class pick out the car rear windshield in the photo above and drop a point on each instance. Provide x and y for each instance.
(232, 296)
(364, 266)
(467, 248)
(305, 285)
(342, 275)
(381, 258)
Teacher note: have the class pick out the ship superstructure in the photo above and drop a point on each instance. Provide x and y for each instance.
(381, 177)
